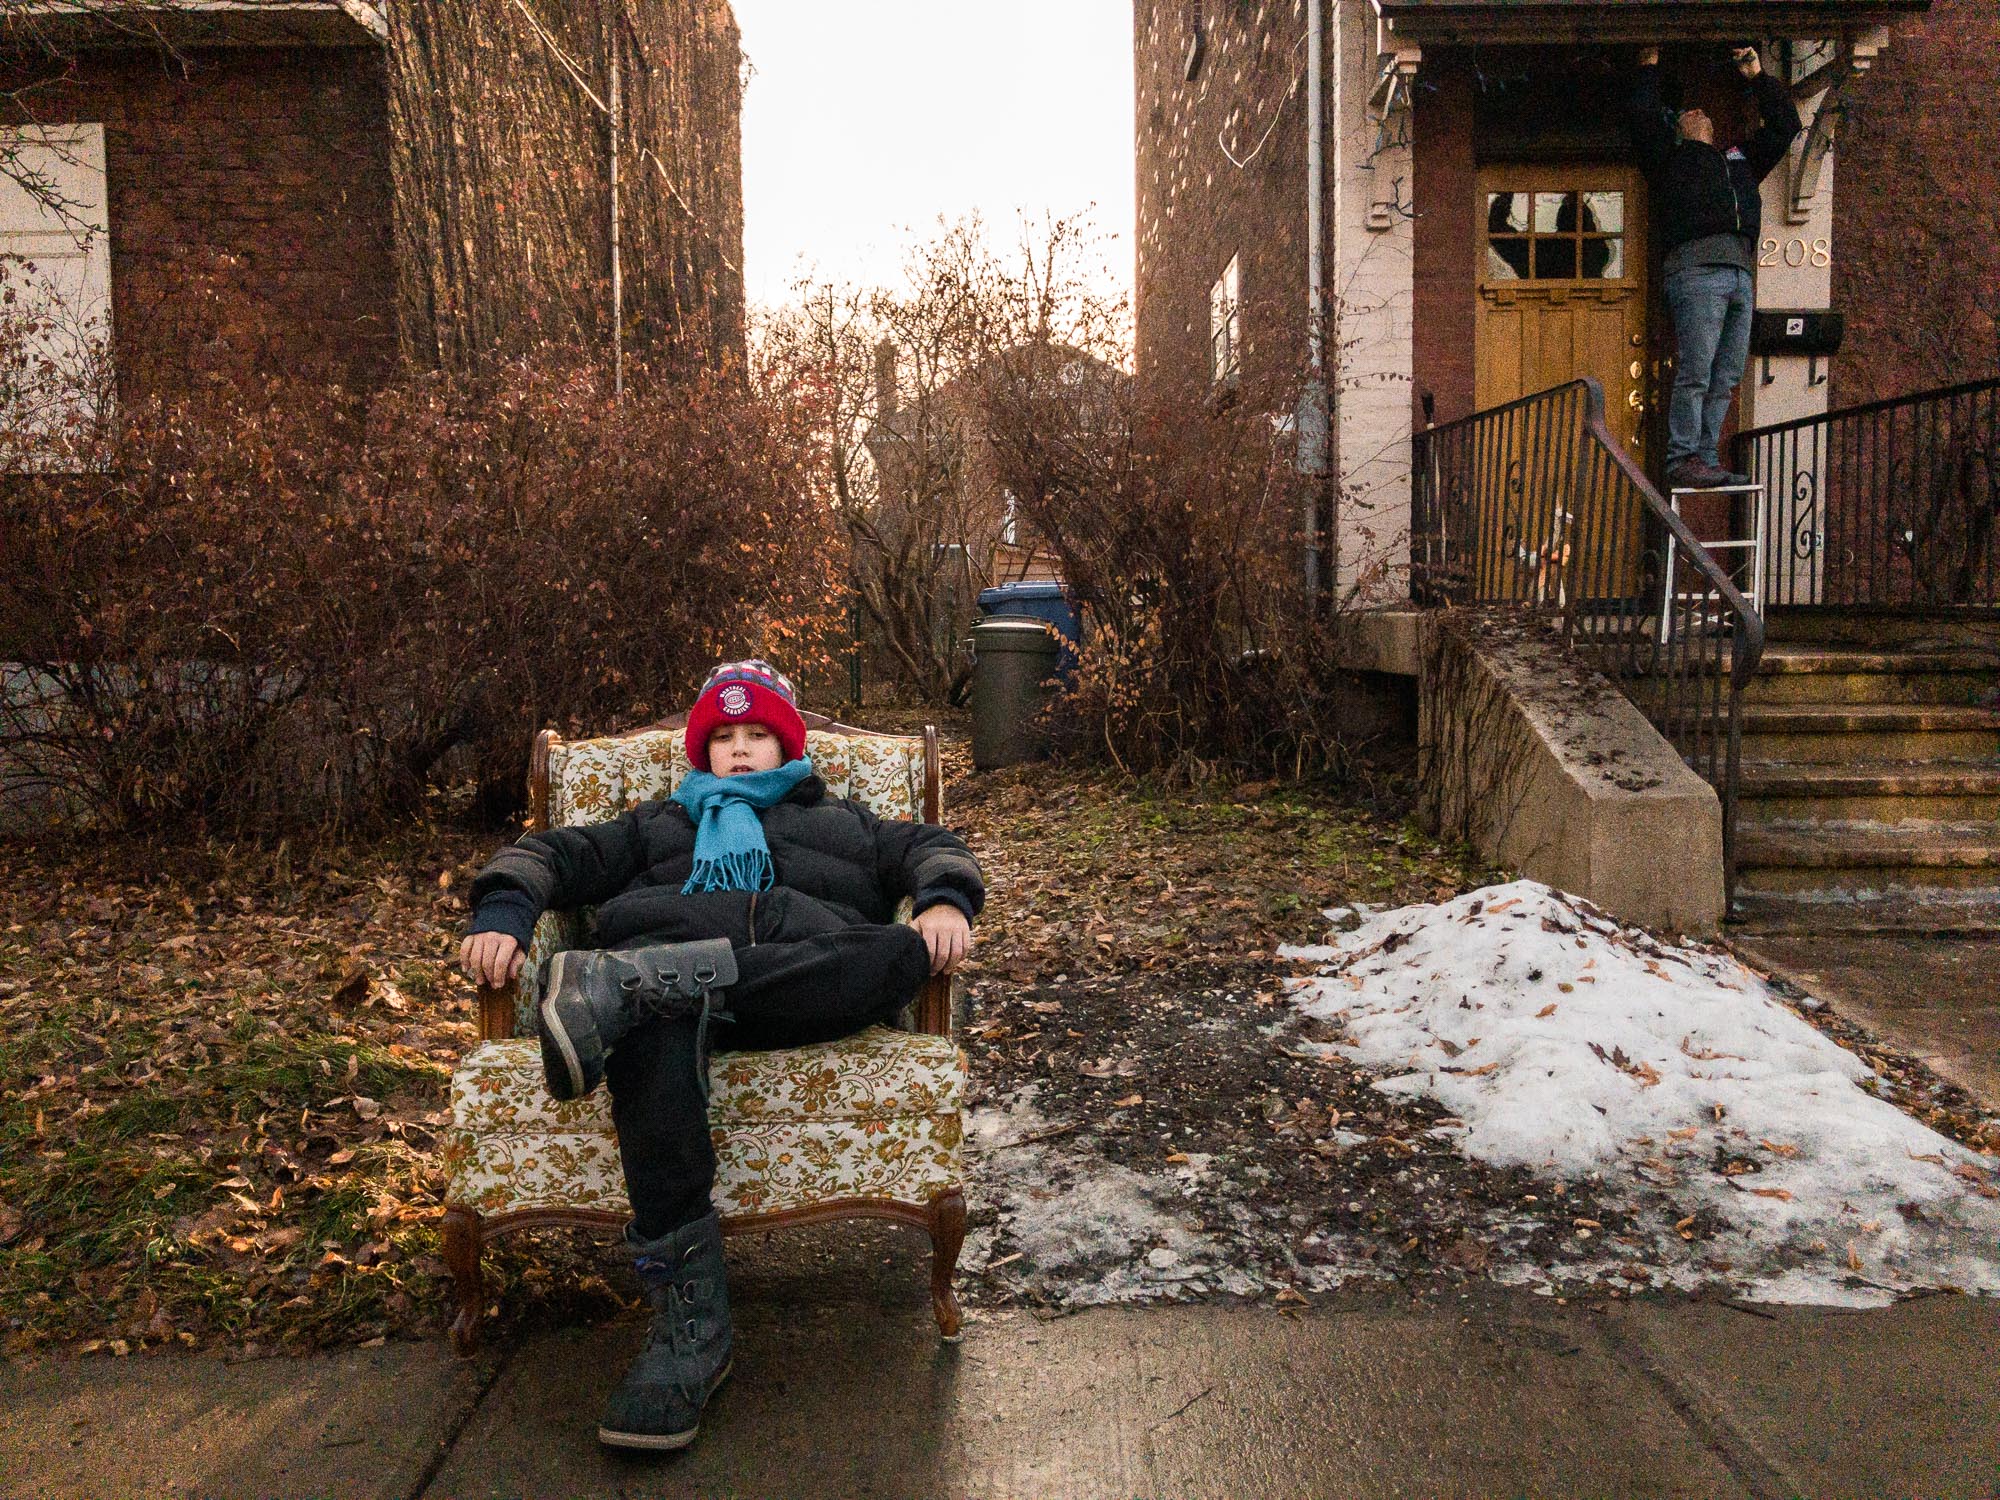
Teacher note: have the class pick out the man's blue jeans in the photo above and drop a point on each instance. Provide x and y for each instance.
(1711, 306)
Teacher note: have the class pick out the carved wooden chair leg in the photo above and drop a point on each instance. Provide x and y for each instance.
(947, 1239)
(463, 1244)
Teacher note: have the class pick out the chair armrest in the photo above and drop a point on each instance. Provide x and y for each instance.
(503, 1011)
(496, 1011)
(936, 1012)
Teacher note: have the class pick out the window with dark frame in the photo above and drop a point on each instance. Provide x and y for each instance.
(1197, 40)
(1555, 236)
(1225, 326)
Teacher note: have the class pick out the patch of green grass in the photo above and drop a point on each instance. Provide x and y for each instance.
(107, 1200)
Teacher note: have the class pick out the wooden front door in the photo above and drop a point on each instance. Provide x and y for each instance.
(1562, 286)
(1562, 294)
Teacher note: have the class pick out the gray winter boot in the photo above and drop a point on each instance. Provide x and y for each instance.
(595, 997)
(689, 1348)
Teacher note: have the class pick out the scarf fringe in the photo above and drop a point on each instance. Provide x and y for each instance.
(748, 870)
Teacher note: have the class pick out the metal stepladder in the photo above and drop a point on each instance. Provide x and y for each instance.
(1747, 503)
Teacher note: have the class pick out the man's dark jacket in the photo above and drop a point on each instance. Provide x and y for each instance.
(854, 865)
(1698, 189)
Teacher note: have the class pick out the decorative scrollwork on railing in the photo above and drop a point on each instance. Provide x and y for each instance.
(1901, 511)
(1805, 528)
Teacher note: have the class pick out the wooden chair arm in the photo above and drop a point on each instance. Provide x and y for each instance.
(934, 1006)
(496, 1010)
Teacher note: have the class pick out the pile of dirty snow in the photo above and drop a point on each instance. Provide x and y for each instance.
(1570, 1045)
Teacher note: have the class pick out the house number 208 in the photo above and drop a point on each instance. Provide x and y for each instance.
(1795, 252)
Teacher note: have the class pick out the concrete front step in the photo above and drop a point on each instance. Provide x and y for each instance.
(1868, 791)
(1859, 857)
(1849, 628)
(1824, 733)
(1790, 674)
(1819, 910)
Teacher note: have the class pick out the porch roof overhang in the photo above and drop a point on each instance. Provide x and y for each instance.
(195, 23)
(1427, 23)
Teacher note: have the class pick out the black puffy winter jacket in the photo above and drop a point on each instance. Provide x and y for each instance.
(1700, 190)
(855, 865)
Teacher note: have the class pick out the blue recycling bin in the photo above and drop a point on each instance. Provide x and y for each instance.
(1038, 601)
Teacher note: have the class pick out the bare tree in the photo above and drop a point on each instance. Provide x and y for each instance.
(903, 381)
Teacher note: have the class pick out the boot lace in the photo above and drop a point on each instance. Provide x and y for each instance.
(665, 999)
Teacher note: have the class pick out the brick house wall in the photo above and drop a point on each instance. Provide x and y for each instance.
(267, 207)
(1444, 255)
(248, 207)
(1196, 209)
(1917, 209)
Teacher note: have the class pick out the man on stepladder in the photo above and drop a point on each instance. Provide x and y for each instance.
(1708, 213)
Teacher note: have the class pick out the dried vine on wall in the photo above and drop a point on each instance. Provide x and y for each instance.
(500, 131)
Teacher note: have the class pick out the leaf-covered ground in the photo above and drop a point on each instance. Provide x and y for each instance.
(222, 1076)
(223, 1071)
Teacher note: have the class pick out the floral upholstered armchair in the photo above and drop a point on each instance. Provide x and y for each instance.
(866, 1127)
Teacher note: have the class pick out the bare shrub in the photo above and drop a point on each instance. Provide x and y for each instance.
(1177, 532)
(291, 605)
(1177, 523)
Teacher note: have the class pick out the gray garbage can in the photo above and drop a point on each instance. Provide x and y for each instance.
(1013, 662)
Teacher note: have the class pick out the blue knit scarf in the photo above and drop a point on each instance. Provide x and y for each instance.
(729, 849)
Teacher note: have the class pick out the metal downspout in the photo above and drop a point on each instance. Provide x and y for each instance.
(616, 124)
(1312, 416)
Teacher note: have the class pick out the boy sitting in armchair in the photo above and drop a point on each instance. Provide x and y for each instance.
(749, 910)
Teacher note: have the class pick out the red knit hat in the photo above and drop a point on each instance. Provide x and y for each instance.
(746, 692)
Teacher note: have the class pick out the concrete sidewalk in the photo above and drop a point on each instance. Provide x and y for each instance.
(842, 1389)
(1936, 998)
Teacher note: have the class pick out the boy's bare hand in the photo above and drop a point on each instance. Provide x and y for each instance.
(947, 934)
(1649, 57)
(491, 958)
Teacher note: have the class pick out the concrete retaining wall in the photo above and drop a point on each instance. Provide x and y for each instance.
(1546, 768)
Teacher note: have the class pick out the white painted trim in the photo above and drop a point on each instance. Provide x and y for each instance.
(55, 254)
(368, 15)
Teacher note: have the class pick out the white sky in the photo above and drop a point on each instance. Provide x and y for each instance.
(865, 120)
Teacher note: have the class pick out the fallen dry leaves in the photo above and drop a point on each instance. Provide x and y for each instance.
(222, 1080)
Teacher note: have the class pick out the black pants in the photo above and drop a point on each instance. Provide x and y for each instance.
(797, 990)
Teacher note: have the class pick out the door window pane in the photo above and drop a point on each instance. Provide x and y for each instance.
(1604, 259)
(1506, 213)
(1506, 258)
(1603, 213)
(1555, 213)
(1555, 259)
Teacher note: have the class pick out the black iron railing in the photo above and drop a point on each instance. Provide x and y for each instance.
(1888, 505)
(1536, 504)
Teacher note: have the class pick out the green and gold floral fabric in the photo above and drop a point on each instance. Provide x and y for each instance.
(873, 1115)
(593, 781)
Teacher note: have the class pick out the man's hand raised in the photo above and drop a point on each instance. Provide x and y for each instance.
(1649, 57)
(491, 958)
